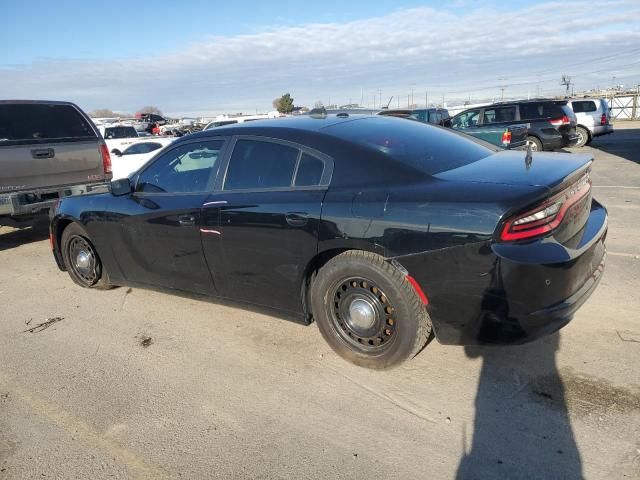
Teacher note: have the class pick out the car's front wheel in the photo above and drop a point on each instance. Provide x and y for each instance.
(81, 259)
(368, 311)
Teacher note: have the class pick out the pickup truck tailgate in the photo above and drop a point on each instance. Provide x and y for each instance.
(50, 165)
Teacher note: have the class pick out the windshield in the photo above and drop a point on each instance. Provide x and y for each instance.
(426, 147)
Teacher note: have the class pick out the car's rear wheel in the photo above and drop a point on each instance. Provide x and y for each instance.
(534, 143)
(583, 136)
(82, 260)
(367, 310)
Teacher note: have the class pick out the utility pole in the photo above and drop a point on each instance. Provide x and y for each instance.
(502, 89)
(426, 99)
(566, 81)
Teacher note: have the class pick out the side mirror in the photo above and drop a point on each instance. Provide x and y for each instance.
(116, 152)
(121, 186)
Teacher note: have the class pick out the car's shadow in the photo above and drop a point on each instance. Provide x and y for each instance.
(623, 142)
(27, 232)
(521, 428)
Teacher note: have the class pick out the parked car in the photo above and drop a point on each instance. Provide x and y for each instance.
(436, 116)
(48, 150)
(508, 137)
(593, 117)
(380, 229)
(551, 123)
(234, 120)
(135, 156)
(118, 136)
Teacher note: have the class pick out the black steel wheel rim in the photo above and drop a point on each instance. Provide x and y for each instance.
(84, 261)
(363, 315)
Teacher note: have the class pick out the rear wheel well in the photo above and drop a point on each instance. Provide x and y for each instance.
(314, 265)
(586, 128)
(59, 228)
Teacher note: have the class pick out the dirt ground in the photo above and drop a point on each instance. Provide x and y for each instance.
(137, 384)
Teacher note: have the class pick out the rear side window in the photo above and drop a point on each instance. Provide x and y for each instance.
(25, 124)
(309, 171)
(257, 164)
(421, 146)
(584, 106)
(499, 114)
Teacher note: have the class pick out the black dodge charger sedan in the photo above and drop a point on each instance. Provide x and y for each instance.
(379, 229)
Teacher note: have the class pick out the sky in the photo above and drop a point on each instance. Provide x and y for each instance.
(200, 58)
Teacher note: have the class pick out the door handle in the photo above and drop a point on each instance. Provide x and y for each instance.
(186, 220)
(42, 153)
(297, 219)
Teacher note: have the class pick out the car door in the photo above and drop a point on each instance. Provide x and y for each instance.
(260, 228)
(160, 226)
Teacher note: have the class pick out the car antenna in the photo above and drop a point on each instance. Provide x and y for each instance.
(528, 158)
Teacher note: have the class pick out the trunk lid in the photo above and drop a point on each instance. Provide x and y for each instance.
(516, 167)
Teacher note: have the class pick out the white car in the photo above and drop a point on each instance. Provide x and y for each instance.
(594, 119)
(118, 137)
(135, 156)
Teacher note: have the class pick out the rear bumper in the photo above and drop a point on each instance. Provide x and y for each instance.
(602, 130)
(496, 293)
(33, 202)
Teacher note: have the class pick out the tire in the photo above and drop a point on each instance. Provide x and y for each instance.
(536, 144)
(583, 137)
(367, 310)
(88, 271)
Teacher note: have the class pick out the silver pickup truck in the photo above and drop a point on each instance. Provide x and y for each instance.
(48, 150)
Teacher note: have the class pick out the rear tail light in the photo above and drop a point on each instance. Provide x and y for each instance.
(506, 137)
(603, 119)
(560, 121)
(548, 215)
(106, 158)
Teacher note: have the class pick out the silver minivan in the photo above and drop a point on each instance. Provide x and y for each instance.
(594, 119)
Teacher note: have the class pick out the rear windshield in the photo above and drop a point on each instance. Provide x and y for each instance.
(419, 145)
(25, 124)
(120, 132)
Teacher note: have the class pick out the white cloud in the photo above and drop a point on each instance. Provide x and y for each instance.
(422, 48)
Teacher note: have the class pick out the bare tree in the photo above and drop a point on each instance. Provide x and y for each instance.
(103, 112)
(149, 109)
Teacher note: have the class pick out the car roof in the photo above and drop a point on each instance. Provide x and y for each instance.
(44, 102)
(309, 123)
(529, 100)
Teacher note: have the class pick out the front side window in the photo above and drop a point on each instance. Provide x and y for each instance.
(257, 164)
(499, 114)
(466, 119)
(185, 169)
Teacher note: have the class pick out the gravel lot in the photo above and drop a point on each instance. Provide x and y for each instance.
(138, 384)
